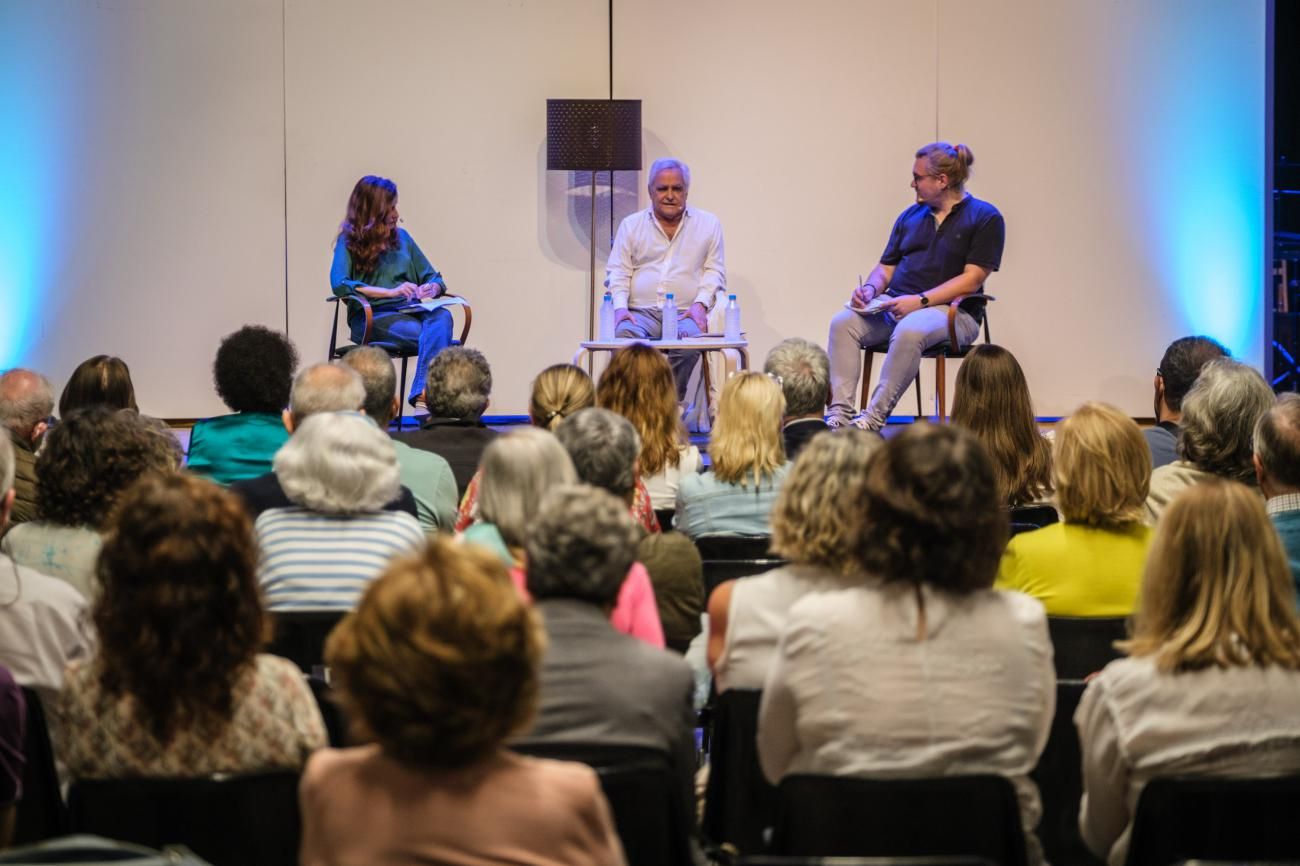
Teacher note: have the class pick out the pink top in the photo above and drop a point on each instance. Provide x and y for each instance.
(636, 612)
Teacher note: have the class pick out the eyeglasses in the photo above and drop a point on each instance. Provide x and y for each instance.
(916, 178)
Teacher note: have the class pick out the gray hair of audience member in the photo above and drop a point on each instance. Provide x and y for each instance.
(1182, 363)
(338, 463)
(804, 371)
(378, 379)
(1277, 441)
(603, 446)
(581, 546)
(519, 468)
(458, 384)
(6, 468)
(325, 388)
(668, 164)
(1219, 417)
(26, 399)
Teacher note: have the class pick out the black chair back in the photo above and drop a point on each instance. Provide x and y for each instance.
(300, 635)
(837, 816)
(41, 814)
(1060, 783)
(336, 721)
(769, 860)
(1082, 645)
(1037, 516)
(739, 803)
(1216, 819)
(727, 557)
(247, 820)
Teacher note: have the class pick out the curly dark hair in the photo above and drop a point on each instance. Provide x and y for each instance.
(180, 619)
(99, 381)
(91, 457)
(254, 369)
(933, 512)
(365, 229)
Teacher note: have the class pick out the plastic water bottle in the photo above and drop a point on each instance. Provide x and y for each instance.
(607, 318)
(670, 317)
(731, 330)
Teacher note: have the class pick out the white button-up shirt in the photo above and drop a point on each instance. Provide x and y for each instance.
(644, 264)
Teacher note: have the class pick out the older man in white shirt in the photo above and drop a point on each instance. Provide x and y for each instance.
(667, 248)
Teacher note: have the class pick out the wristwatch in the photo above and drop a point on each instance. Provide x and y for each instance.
(925, 301)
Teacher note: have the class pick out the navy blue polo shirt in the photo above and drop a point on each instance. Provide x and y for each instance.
(925, 256)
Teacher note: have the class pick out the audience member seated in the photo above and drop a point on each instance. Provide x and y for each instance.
(1181, 364)
(736, 495)
(26, 403)
(177, 687)
(1090, 565)
(925, 671)
(456, 392)
(253, 373)
(599, 686)
(318, 389)
(323, 550)
(99, 381)
(991, 399)
(1277, 468)
(87, 462)
(1219, 416)
(13, 756)
(603, 446)
(438, 668)
(804, 372)
(1211, 685)
(639, 385)
(817, 525)
(426, 475)
(42, 620)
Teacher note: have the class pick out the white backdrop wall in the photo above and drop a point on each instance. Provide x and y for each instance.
(183, 168)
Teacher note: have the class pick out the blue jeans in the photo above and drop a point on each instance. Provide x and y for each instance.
(420, 331)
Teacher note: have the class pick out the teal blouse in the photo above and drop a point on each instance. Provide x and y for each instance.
(405, 263)
(234, 447)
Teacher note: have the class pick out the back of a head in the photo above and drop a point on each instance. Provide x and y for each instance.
(519, 468)
(638, 384)
(99, 381)
(558, 392)
(955, 161)
(26, 399)
(930, 483)
(1217, 591)
(1182, 363)
(1219, 417)
(746, 444)
(458, 384)
(1102, 467)
(580, 546)
(378, 379)
(1277, 442)
(339, 463)
(820, 513)
(325, 388)
(439, 662)
(603, 446)
(803, 369)
(253, 370)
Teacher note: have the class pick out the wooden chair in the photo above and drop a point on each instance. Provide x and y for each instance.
(941, 353)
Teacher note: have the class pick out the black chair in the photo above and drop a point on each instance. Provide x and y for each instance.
(300, 635)
(644, 794)
(1082, 645)
(246, 820)
(941, 353)
(665, 517)
(727, 557)
(1027, 518)
(1216, 819)
(769, 860)
(837, 816)
(1059, 778)
(41, 814)
(739, 803)
(336, 722)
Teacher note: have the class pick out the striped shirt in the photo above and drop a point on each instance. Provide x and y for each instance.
(315, 561)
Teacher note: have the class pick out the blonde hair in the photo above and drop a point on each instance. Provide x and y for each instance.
(558, 392)
(1217, 591)
(638, 384)
(819, 516)
(953, 161)
(1102, 467)
(746, 441)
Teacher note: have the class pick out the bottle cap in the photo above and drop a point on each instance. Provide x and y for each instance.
(731, 297)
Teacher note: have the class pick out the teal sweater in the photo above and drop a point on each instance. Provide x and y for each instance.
(234, 447)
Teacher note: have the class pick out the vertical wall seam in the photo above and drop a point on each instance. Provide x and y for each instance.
(284, 147)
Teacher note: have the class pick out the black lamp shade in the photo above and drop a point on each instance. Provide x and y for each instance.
(593, 134)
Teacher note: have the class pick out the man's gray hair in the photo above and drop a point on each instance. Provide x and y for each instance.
(581, 546)
(26, 399)
(458, 384)
(603, 446)
(6, 466)
(1219, 417)
(519, 468)
(378, 378)
(668, 164)
(1277, 441)
(325, 388)
(338, 463)
(804, 371)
